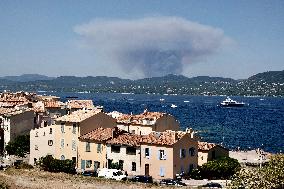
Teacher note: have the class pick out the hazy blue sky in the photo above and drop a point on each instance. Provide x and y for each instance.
(135, 39)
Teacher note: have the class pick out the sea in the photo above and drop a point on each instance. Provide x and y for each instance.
(259, 124)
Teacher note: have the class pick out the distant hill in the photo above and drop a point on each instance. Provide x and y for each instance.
(263, 84)
(27, 77)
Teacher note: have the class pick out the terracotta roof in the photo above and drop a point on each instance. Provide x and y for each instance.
(53, 104)
(78, 116)
(126, 139)
(17, 97)
(80, 104)
(145, 118)
(101, 134)
(12, 111)
(163, 138)
(205, 146)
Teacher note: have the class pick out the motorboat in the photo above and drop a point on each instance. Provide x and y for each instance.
(173, 106)
(231, 103)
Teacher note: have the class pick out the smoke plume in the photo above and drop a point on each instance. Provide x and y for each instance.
(152, 46)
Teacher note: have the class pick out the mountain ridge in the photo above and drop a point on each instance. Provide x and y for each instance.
(269, 83)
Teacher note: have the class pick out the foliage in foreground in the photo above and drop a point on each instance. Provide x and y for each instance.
(268, 177)
(48, 163)
(19, 147)
(222, 168)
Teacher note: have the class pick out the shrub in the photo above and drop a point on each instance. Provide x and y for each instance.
(222, 168)
(19, 147)
(51, 164)
(270, 176)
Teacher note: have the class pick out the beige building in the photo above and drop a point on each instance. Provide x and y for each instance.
(14, 122)
(210, 151)
(67, 130)
(42, 142)
(165, 154)
(92, 148)
(125, 151)
(146, 122)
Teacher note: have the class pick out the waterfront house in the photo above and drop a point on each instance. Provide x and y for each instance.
(68, 128)
(92, 148)
(124, 150)
(146, 122)
(166, 154)
(14, 122)
(210, 151)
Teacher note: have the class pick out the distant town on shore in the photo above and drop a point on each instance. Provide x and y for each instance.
(269, 83)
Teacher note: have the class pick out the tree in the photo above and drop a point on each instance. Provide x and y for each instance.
(222, 168)
(19, 147)
(269, 177)
(48, 163)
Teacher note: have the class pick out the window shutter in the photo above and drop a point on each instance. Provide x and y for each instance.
(165, 156)
(159, 155)
(82, 164)
(180, 153)
(149, 152)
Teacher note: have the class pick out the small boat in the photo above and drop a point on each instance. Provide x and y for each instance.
(231, 103)
(173, 106)
(162, 99)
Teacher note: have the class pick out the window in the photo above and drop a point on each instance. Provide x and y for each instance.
(161, 154)
(62, 127)
(147, 152)
(99, 148)
(36, 147)
(50, 142)
(74, 128)
(50, 130)
(36, 134)
(131, 150)
(62, 157)
(45, 123)
(62, 143)
(88, 163)
(43, 133)
(88, 146)
(192, 151)
(182, 153)
(133, 166)
(73, 145)
(115, 149)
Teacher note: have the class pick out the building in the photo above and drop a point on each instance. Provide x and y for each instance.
(74, 105)
(67, 130)
(125, 151)
(14, 122)
(210, 151)
(42, 142)
(146, 122)
(92, 148)
(166, 154)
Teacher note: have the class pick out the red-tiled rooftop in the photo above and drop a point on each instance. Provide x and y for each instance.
(53, 104)
(140, 118)
(163, 138)
(205, 146)
(80, 104)
(126, 139)
(78, 116)
(101, 134)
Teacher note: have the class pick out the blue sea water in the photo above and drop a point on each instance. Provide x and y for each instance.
(259, 124)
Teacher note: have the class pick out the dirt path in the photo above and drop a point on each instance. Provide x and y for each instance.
(35, 179)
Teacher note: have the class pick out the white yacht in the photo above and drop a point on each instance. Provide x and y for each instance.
(231, 103)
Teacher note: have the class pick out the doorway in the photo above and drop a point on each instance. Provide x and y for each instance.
(147, 169)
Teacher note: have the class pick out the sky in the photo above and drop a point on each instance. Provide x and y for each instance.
(138, 39)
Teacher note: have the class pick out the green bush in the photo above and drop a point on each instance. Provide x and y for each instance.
(270, 176)
(51, 164)
(20, 146)
(222, 168)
